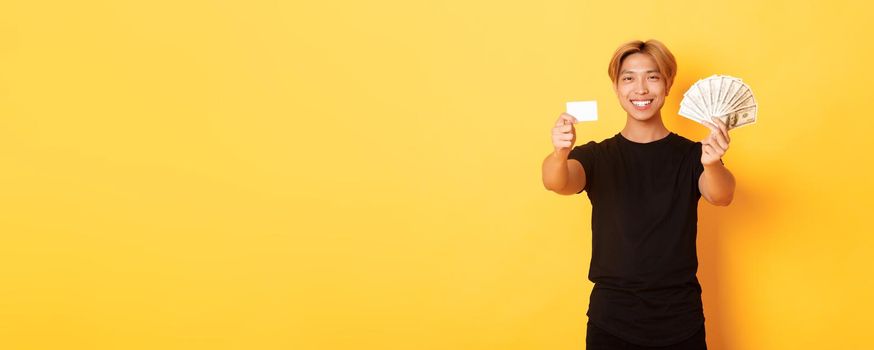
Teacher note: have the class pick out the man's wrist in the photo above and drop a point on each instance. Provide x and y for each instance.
(561, 154)
(715, 165)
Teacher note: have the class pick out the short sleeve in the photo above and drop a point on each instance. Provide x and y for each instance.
(585, 154)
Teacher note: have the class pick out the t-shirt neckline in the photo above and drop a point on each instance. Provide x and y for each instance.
(656, 142)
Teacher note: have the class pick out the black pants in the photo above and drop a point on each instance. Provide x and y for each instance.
(598, 339)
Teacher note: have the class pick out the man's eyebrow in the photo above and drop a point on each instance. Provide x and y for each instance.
(632, 71)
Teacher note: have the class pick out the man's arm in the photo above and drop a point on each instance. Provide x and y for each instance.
(717, 184)
(562, 175)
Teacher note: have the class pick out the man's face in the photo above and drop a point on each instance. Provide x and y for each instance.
(641, 87)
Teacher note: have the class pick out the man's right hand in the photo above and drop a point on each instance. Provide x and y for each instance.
(559, 174)
(563, 134)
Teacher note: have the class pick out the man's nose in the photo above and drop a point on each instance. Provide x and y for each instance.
(641, 88)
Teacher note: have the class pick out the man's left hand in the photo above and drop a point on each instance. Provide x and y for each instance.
(714, 146)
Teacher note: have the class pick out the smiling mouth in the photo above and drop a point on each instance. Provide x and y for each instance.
(641, 103)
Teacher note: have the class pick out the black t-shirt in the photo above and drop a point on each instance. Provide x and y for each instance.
(644, 224)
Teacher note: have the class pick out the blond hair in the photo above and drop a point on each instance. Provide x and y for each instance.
(656, 49)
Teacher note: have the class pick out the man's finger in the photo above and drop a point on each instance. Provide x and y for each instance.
(718, 122)
(710, 126)
(707, 149)
(716, 138)
(723, 128)
(719, 143)
(713, 150)
(720, 139)
(711, 142)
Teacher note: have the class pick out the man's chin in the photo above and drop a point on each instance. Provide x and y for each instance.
(643, 117)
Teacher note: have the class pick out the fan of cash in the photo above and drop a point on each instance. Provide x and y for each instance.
(727, 98)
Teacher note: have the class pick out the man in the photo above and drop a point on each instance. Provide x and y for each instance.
(644, 184)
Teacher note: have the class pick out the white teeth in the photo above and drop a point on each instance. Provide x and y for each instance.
(641, 103)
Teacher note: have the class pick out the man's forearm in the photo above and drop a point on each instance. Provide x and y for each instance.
(720, 183)
(555, 172)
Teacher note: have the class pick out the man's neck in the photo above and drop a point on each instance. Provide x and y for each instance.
(646, 131)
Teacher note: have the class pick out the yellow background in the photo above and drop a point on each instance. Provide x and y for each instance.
(366, 174)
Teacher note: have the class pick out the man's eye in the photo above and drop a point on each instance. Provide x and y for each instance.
(654, 77)
(626, 78)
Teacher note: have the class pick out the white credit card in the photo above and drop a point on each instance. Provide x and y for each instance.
(583, 111)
